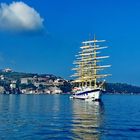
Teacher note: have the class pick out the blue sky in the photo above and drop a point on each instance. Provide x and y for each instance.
(65, 25)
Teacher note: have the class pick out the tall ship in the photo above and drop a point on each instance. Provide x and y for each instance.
(89, 78)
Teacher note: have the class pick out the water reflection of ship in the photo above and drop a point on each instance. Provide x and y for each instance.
(87, 119)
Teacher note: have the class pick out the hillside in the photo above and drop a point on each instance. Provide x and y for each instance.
(121, 88)
(49, 83)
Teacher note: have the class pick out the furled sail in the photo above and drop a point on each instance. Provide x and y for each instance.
(87, 64)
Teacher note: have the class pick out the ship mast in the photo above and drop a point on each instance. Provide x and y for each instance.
(87, 64)
(95, 65)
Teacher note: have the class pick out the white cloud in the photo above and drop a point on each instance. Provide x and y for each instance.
(18, 16)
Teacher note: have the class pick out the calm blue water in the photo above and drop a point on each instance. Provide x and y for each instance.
(56, 117)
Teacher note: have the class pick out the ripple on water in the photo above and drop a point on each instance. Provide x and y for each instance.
(58, 117)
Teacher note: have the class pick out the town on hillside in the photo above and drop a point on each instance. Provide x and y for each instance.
(25, 83)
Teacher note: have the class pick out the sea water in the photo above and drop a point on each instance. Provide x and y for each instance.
(56, 117)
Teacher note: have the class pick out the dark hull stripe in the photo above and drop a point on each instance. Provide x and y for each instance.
(79, 98)
(86, 92)
(98, 100)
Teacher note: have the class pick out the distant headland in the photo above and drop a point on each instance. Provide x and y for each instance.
(12, 82)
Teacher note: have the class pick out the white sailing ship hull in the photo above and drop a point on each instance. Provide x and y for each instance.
(92, 94)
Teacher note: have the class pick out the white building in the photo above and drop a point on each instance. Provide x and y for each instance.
(7, 70)
(26, 80)
(12, 85)
(2, 89)
(55, 90)
(1, 77)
